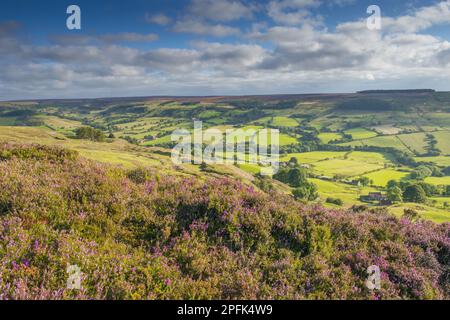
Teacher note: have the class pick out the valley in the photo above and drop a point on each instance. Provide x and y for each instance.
(349, 145)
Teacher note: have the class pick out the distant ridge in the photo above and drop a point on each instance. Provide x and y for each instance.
(397, 91)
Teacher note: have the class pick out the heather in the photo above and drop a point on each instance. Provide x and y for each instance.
(143, 234)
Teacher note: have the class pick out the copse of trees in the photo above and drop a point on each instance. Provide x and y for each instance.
(413, 191)
(421, 173)
(89, 133)
(297, 177)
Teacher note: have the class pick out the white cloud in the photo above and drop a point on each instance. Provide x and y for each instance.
(159, 19)
(282, 58)
(220, 10)
(204, 28)
(129, 37)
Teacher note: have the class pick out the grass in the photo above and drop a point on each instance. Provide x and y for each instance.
(118, 152)
(346, 168)
(250, 168)
(326, 137)
(415, 142)
(9, 121)
(279, 122)
(60, 124)
(441, 201)
(159, 141)
(312, 157)
(443, 138)
(438, 181)
(361, 133)
(387, 129)
(382, 177)
(425, 212)
(380, 141)
(440, 160)
(347, 193)
(370, 157)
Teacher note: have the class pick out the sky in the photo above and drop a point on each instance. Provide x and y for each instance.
(220, 47)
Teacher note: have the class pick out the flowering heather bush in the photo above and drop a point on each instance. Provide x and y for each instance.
(143, 235)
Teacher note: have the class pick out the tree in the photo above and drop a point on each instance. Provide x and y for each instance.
(415, 193)
(421, 173)
(293, 161)
(392, 183)
(364, 181)
(89, 134)
(411, 214)
(447, 191)
(395, 194)
(297, 177)
(306, 192)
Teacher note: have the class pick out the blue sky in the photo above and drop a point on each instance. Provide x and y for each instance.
(219, 47)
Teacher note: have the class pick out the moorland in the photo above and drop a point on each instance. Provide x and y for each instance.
(363, 180)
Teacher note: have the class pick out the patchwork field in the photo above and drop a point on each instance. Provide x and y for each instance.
(312, 157)
(345, 168)
(382, 177)
(369, 157)
(425, 212)
(443, 138)
(329, 136)
(138, 133)
(440, 161)
(380, 141)
(361, 133)
(415, 142)
(347, 193)
(439, 181)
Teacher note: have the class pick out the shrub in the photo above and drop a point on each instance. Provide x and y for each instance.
(337, 202)
(135, 235)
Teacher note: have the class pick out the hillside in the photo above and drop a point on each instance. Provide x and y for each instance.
(144, 234)
(353, 144)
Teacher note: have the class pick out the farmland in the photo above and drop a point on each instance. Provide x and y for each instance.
(347, 153)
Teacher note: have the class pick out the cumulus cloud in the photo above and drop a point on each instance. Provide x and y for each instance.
(159, 19)
(203, 28)
(220, 10)
(129, 37)
(286, 57)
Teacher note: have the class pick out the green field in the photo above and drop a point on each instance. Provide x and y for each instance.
(382, 177)
(438, 181)
(347, 193)
(443, 138)
(361, 133)
(380, 141)
(308, 131)
(326, 137)
(425, 212)
(370, 157)
(278, 121)
(312, 157)
(440, 160)
(284, 122)
(415, 142)
(345, 168)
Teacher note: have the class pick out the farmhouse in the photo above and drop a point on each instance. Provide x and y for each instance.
(376, 196)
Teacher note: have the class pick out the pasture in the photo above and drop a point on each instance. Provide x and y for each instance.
(382, 177)
(361, 133)
(312, 157)
(344, 168)
(326, 137)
